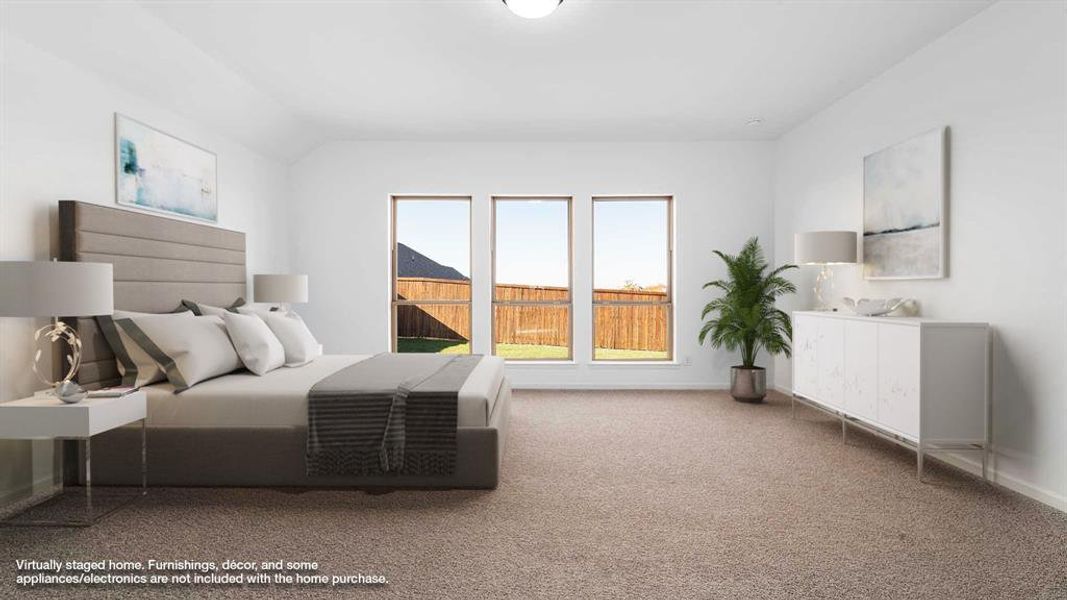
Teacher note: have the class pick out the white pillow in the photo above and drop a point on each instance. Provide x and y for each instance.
(258, 348)
(137, 368)
(189, 350)
(300, 346)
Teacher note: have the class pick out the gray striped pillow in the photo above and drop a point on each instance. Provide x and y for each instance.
(189, 351)
(136, 366)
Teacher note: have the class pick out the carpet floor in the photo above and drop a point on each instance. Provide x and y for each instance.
(614, 495)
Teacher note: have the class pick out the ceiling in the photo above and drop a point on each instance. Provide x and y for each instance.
(300, 73)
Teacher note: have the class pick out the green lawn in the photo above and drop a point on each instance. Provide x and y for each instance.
(614, 354)
(527, 351)
(531, 351)
(432, 346)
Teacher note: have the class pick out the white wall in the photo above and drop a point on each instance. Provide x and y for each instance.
(58, 143)
(998, 83)
(340, 234)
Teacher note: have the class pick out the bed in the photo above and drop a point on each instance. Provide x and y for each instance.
(238, 429)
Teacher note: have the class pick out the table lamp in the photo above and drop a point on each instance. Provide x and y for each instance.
(54, 290)
(282, 288)
(826, 248)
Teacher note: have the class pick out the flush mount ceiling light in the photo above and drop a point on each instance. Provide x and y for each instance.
(532, 9)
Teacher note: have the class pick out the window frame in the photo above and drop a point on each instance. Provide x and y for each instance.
(669, 303)
(569, 303)
(394, 294)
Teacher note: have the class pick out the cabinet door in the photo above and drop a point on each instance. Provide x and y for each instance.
(805, 378)
(830, 349)
(898, 378)
(861, 369)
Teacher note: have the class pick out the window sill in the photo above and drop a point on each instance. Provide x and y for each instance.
(644, 364)
(539, 363)
(666, 364)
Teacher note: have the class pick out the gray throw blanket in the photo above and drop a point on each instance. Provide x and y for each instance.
(391, 413)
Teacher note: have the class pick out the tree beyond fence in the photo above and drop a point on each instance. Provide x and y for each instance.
(623, 327)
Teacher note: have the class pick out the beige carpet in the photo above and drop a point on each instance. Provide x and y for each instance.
(619, 494)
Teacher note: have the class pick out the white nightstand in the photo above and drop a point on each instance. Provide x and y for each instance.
(49, 418)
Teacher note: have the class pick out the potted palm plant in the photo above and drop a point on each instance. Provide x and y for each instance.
(745, 317)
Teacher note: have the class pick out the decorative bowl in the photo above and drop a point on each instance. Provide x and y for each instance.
(874, 307)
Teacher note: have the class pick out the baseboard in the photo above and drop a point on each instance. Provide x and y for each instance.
(621, 386)
(1004, 480)
(974, 467)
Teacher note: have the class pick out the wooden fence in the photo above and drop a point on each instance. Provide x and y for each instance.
(437, 321)
(625, 327)
(425, 288)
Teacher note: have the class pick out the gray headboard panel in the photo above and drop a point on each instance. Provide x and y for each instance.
(157, 262)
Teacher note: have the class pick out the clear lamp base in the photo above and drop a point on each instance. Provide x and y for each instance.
(824, 289)
(65, 389)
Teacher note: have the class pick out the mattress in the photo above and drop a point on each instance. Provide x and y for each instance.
(278, 399)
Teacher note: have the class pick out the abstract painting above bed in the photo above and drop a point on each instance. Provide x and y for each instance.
(904, 209)
(157, 171)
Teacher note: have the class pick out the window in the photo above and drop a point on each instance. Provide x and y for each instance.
(532, 278)
(431, 302)
(632, 295)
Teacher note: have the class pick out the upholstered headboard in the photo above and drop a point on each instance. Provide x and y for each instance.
(157, 262)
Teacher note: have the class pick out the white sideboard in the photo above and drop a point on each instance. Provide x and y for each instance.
(923, 383)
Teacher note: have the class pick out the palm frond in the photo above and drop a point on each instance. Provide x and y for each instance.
(744, 316)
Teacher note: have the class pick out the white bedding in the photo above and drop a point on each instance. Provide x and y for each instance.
(279, 398)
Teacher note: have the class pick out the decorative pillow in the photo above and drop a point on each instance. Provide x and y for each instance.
(206, 309)
(300, 346)
(189, 350)
(260, 308)
(137, 368)
(258, 347)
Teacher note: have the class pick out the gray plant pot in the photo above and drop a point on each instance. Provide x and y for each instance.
(748, 385)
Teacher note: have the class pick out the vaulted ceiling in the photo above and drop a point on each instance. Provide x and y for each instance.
(285, 76)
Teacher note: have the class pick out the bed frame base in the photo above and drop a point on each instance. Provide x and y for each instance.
(247, 457)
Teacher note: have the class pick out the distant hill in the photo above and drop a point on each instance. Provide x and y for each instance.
(410, 263)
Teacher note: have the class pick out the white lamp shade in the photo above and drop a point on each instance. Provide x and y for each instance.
(291, 289)
(533, 9)
(824, 247)
(55, 289)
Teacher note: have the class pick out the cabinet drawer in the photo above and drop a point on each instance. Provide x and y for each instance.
(899, 378)
(805, 373)
(861, 369)
(830, 350)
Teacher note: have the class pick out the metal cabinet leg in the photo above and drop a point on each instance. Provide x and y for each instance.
(88, 479)
(144, 457)
(985, 462)
(919, 462)
(844, 431)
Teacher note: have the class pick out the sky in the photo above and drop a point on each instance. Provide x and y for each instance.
(630, 240)
(629, 243)
(439, 229)
(531, 242)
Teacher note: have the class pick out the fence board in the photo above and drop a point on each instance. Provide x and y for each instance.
(425, 288)
(630, 327)
(437, 321)
(626, 327)
(547, 325)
